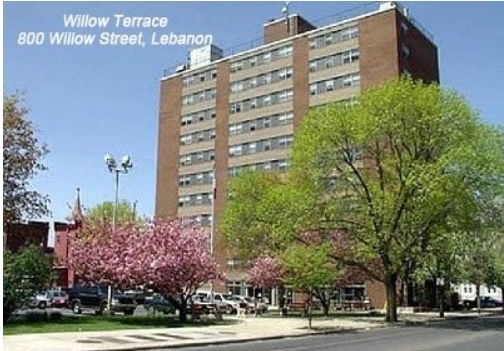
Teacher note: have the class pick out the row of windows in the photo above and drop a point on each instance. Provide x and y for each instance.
(199, 77)
(199, 116)
(261, 101)
(196, 178)
(334, 37)
(341, 82)
(261, 59)
(200, 96)
(275, 165)
(205, 220)
(261, 123)
(263, 79)
(197, 157)
(339, 59)
(261, 145)
(197, 137)
(195, 200)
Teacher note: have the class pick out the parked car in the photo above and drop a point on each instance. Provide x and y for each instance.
(138, 295)
(41, 299)
(488, 302)
(95, 297)
(222, 301)
(59, 299)
(159, 304)
(485, 302)
(249, 304)
(202, 307)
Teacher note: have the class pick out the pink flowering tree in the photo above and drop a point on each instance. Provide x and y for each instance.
(267, 272)
(172, 257)
(179, 260)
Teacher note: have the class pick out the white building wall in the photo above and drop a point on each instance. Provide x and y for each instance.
(468, 291)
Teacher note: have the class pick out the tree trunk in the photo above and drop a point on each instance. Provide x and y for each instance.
(441, 295)
(325, 306)
(281, 301)
(402, 295)
(309, 309)
(502, 295)
(391, 294)
(478, 298)
(183, 309)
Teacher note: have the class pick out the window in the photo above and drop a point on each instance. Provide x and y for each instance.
(186, 139)
(285, 51)
(329, 85)
(329, 62)
(405, 50)
(236, 86)
(236, 66)
(185, 160)
(235, 150)
(404, 28)
(313, 89)
(266, 78)
(266, 57)
(184, 201)
(351, 80)
(186, 120)
(328, 39)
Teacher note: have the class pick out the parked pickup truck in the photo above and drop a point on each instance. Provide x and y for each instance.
(95, 297)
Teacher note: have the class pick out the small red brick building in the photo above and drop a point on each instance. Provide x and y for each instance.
(62, 232)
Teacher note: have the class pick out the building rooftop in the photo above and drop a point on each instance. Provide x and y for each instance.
(333, 20)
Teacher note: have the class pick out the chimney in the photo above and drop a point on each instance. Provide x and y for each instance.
(285, 27)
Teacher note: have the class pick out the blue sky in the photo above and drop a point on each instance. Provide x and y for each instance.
(89, 100)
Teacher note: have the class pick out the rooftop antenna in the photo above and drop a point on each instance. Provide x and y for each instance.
(285, 11)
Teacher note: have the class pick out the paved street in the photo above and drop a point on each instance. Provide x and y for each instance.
(269, 334)
(486, 334)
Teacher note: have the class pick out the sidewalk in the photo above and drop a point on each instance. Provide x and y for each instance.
(136, 339)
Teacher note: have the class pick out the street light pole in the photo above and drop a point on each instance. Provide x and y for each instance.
(111, 163)
(126, 164)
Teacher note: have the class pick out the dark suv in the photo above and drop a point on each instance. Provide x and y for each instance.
(95, 297)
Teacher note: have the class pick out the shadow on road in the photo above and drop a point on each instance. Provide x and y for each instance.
(493, 322)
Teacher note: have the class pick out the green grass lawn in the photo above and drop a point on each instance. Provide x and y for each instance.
(96, 323)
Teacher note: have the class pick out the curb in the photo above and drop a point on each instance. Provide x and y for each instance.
(236, 341)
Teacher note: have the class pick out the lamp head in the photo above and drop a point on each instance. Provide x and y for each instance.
(110, 162)
(126, 162)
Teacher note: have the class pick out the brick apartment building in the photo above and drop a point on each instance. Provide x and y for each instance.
(225, 114)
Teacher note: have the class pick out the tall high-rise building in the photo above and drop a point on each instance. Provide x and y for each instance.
(222, 114)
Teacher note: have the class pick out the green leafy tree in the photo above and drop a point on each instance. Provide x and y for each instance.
(22, 154)
(394, 168)
(24, 273)
(381, 180)
(105, 212)
(309, 268)
(246, 222)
